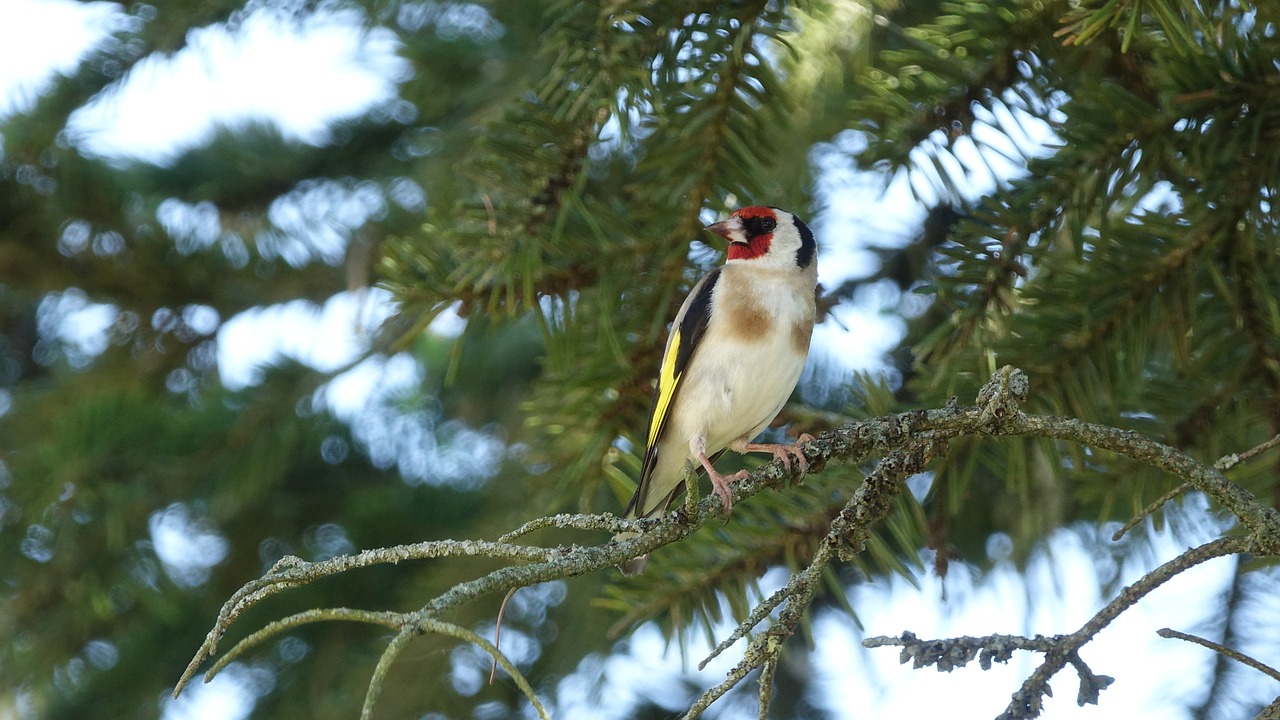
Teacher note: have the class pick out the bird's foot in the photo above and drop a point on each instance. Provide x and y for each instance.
(721, 485)
(782, 452)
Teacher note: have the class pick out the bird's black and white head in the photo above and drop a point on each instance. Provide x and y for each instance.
(767, 236)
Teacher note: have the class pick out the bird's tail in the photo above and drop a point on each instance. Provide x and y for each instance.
(634, 508)
(635, 566)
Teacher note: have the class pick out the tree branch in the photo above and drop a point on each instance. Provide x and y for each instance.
(1221, 650)
(906, 443)
(1059, 650)
(1227, 462)
(1026, 702)
(1270, 712)
(1149, 510)
(850, 529)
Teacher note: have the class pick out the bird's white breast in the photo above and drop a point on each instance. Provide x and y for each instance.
(752, 354)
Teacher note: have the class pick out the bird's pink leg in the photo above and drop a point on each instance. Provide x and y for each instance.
(698, 448)
(721, 482)
(780, 451)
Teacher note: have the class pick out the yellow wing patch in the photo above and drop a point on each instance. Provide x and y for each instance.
(668, 380)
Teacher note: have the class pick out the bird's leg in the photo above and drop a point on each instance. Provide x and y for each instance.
(721, 482)
(780, 451)
(698, 447)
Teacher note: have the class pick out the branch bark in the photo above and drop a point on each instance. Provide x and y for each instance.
(905, 442)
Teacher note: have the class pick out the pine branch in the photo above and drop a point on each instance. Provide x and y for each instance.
(1259, 314)
(1222, 650)
(1026, 702)
(1138, 290)
(1270, 712)
(851, 528)
(906, 443)
(1059, 650)
(1219, 685)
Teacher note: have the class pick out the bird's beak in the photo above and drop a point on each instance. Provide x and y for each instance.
(730, 230)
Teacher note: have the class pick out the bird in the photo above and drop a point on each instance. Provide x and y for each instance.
(734, 354)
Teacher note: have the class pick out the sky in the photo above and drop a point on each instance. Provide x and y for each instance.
(28, 58)
(303, 77)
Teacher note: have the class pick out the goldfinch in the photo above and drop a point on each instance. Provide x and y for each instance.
(734, 354)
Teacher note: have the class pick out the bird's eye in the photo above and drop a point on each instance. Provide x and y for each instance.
(759, 225)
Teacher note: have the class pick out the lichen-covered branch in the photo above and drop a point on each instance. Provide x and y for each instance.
(905, 443)
(849, 531)
(1059, 650)
(952, 653)
(1026, 702)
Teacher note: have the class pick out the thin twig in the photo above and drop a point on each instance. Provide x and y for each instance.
(758, 613)
(497, 631)
(766, 685)
(1221, 649)
(291, 572)
(1148, 510)
(385, 619)
(1027, 701)
(380, 671)
(603, 521)
(1226, 462)
(1262, 522)
(870, 503)
(461, 633)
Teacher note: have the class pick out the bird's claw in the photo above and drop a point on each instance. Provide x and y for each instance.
(720, 483)
(799, 453)
(784, 453)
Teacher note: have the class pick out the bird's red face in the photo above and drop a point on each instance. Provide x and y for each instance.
(749, 232)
